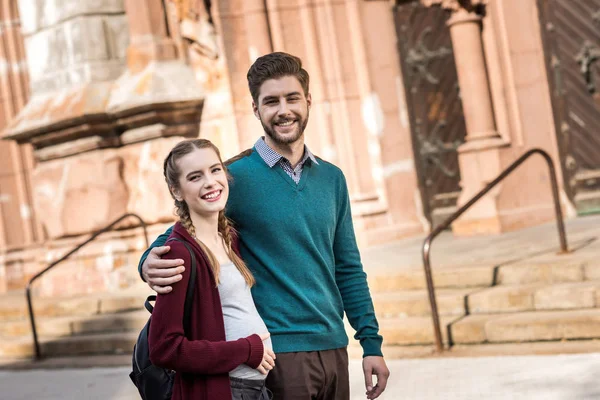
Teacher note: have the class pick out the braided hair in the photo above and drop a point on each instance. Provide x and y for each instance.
(226, 231)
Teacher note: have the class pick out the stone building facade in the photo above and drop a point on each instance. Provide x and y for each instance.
(420, 102)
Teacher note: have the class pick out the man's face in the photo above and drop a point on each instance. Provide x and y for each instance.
(282, 109)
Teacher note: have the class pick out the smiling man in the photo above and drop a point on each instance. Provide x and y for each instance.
(292, 211)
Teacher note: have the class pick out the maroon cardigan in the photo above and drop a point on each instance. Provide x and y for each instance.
(203, 362)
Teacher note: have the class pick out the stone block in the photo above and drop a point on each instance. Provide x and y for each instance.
(412, 331)
(18, 348)
(80, 194)
(40, 14)
(416, 303)
(111, 323)
(567, 296)
(87, 39)
(117, 36)
(544, 273)
(591, 270)
(62, 55)
(502, 299)
(113, 343)
(158, 82)
(467, 277)
(470, 329)
(544, 325)
(112, 304)
(148, 192)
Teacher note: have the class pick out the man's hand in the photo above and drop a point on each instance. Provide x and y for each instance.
(159, 273)
(375, 365)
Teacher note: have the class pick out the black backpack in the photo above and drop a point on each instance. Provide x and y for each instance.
(155, 383)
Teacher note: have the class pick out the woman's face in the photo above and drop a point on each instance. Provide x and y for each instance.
(202, 182)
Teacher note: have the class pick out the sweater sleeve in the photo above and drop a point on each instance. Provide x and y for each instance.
(352, 280)
(159, 241)
(169, 348)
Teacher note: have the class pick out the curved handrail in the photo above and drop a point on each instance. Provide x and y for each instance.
(63, 258)
(427, 243)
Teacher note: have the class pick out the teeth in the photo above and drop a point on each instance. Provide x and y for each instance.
(287, 123)
(212, 195)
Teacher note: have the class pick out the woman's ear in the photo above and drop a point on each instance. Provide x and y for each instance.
(176, 194)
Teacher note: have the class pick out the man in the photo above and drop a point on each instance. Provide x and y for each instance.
(292, 211)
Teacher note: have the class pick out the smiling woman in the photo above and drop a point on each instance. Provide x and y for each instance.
(227, 351)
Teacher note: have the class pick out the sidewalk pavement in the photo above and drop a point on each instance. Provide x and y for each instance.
(562, 377)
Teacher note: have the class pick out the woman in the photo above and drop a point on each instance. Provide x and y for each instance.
(229, 351)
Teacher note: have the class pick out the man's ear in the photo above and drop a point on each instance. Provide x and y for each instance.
(308, 100)
(255, 110)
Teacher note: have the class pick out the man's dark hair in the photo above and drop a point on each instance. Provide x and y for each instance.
(274, 66)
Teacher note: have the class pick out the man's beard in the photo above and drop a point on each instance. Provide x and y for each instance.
(286, 139)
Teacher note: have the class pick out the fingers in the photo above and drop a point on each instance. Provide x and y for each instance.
(377, 390)
(160, 250)
(379, 369)
(264, 336)
(382, 378)
(272, 354)
(269, 360)
(266, 366)
(161, 289)
(261, 369)
(165, 271)
(368, 371)
(158, 264)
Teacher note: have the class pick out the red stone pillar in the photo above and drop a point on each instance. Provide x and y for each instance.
(479, 156)
(17, 226)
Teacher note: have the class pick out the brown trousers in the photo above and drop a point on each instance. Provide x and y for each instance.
(310, 375)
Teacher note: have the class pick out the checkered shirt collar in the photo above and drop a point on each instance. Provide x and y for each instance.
(271, 157)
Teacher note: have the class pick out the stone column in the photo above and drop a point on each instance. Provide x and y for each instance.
(465, 30)
(17, 224)
(479, 156)
(245, 31)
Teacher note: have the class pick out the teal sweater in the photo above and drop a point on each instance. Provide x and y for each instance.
(298, 241)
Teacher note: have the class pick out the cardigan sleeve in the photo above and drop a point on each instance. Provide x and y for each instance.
(169, 348)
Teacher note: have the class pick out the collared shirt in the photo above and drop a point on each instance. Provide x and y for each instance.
(272, 158)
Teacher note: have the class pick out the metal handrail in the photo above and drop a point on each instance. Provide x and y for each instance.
(36, 343)
(427, 244)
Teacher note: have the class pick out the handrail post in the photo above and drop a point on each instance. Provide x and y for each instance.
(560, 224)
(36, 344)
(427, 243)
(437, 330)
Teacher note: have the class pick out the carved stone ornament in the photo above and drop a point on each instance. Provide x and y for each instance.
(455, 5)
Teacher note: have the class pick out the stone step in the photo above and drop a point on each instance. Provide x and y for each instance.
(390, 280)
(77, 325)
(107, 343)
(537, 296)
(569, 270)
(413, 303)
(483, 350)
(527, 327)
(15, 308)
(411, 331)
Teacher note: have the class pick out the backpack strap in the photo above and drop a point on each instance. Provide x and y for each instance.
(189, 295)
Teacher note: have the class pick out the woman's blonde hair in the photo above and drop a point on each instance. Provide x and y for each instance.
(172, 174)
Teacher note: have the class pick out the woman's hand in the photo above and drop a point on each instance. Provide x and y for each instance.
(268, 360)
